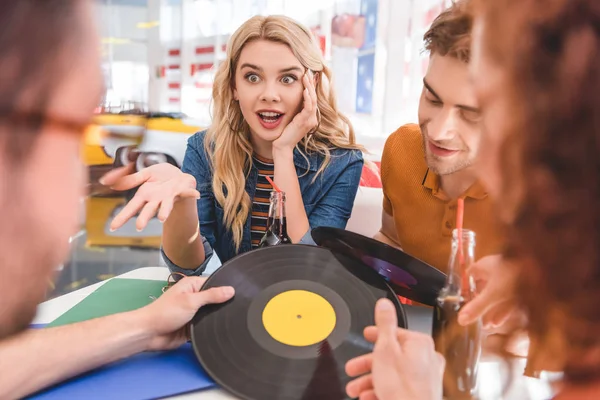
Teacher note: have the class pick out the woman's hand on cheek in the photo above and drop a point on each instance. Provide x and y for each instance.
(305, 121)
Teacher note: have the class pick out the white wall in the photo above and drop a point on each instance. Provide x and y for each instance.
(120, 22)
(124, 51)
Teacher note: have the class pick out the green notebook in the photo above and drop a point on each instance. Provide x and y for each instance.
(115, 296)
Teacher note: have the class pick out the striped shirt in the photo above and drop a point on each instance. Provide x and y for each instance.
(261, 202)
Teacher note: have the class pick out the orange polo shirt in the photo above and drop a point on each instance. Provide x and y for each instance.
(423, 214)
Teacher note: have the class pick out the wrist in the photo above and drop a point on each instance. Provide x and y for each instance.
(283, 152)
(184, 203)
(145, 327)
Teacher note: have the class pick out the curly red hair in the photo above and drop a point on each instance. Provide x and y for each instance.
(550, 53)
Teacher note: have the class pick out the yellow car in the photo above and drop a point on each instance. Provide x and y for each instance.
(93, 153)
(116, 139)
(95, 157)
(100, 211)
(165, 139)
(119, 138)
(153, 137)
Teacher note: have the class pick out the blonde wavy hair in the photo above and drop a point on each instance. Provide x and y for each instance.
(228, 138)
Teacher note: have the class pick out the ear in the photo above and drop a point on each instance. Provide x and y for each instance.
(235, 95)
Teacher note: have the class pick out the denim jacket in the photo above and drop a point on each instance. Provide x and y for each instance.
(328, 201)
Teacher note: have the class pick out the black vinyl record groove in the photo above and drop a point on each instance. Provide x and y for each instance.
(407, 275)
(233, 346)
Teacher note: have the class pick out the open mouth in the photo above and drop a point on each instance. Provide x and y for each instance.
(270, 117)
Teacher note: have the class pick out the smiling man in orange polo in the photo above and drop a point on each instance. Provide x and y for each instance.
(425, 168)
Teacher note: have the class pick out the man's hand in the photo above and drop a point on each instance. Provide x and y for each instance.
(403, 364)
(73, 349)
(495, 304)
(168, 316)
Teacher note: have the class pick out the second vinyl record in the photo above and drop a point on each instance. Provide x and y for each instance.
(297, 317)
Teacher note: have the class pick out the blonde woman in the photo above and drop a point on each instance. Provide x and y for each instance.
(274, 115)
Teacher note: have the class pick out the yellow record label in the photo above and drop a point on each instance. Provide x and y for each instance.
(299, 318)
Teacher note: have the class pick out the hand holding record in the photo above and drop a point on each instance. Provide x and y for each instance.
(402, 362)
(167, 317)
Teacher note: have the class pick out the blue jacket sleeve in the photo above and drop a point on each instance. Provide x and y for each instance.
(335, 207)
(196, 164)
(208, 253)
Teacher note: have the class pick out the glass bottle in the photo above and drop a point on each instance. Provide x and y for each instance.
(460, 346)
(276, 222)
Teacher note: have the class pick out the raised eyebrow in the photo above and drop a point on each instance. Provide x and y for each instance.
(290, 69)
(252, 66)
(431, 90)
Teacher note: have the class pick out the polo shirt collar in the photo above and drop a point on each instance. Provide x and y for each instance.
(431, 181)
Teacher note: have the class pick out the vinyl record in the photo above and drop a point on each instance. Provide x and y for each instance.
(297, 317)
(408, 276)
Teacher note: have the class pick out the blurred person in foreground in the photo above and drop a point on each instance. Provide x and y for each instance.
(535, 69)
(50, 83)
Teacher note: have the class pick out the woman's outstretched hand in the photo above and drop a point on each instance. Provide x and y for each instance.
(159, 186)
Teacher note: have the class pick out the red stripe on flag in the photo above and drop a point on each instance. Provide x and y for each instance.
(205, 50)
(200, 67)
